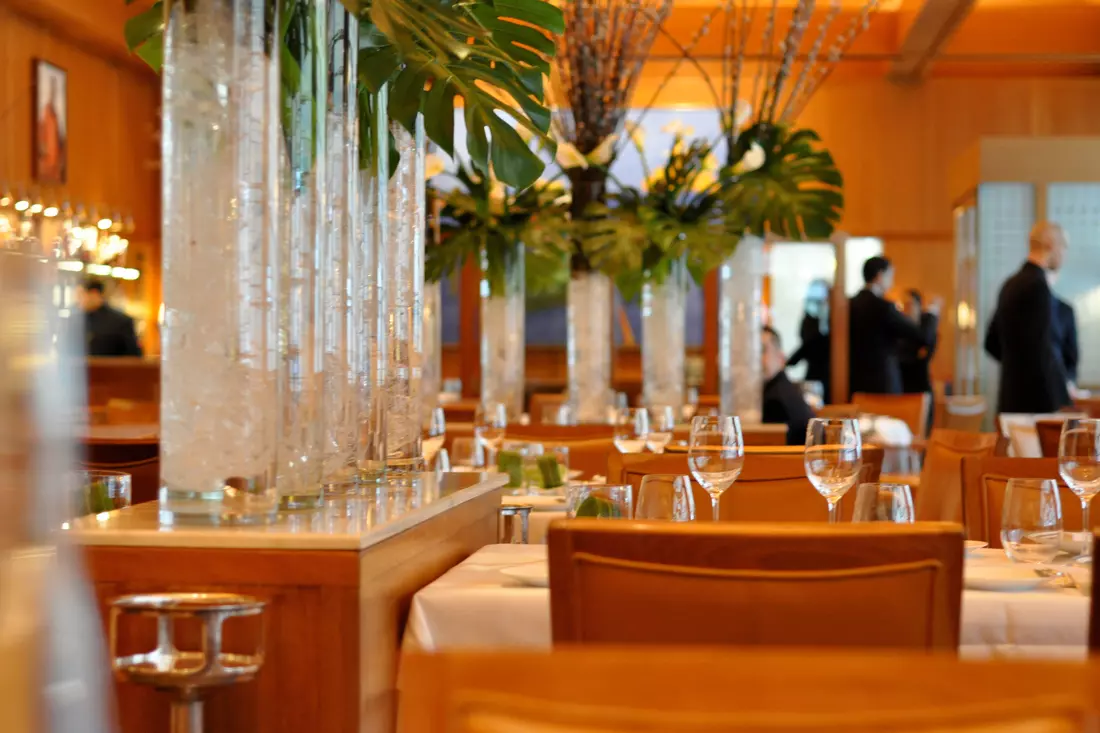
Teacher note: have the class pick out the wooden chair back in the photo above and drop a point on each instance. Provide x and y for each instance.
(460, 411)
(1089, 406)
(870, 584)
(541, 401)
(772, 486)
(965, 413)
(130, 412)
(1049, 431)
(621, 690)
(551, 433)
(839, 411)
(589, 456)
(984, 482)
(912, 409)
(941, 494)
(759, 434)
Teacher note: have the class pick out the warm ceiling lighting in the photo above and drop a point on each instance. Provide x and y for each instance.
(104, 224)
(5, 200)
(36, 208)
(51, 211)
(22, 205)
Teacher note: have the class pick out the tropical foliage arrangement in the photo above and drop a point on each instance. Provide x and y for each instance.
(490, 54)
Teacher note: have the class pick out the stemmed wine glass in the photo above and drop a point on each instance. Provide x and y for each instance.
(716, 454)
(434, 436)
(661, 424)
(490, 423)
(631, 430)
(667, 497)
(1079, 465)
(834, 457)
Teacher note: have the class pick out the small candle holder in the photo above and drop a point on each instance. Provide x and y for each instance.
(185, 674)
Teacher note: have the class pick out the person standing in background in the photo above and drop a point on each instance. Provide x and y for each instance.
(915, 360)
(816, 348)
(783, 401)
(877, 330)
(1065, 321)
(107, 331)
(1023, 334)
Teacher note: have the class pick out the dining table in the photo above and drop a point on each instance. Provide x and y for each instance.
(480, 603)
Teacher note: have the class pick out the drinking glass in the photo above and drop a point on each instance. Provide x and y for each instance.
(884, 503)
(667, 497)
(468, 453)
(561, 414)
(662, 421)
(834, 457)
(490, 423)
(513, 460)
(691, 404)
(101, 491)
(434, 436)
(716, 454)
(631, 430)
(1031, 521)
(1079, 465)
(601, 501)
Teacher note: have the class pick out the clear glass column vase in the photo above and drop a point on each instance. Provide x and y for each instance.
(664, 300)
(304, 188)
(405, 282)
(371, 305)
(588, 345)
(740, 309)
(220, 239)
(338, 250)
(431, 380)
(503, 314)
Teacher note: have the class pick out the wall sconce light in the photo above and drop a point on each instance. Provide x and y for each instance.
(104, 224)
(50, 211)
(22, 205)
(35, 208)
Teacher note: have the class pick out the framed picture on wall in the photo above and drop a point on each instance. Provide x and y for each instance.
(51, 123)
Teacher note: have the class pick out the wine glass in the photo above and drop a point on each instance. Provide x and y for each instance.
(662, 423)
(490, 422)
(716, 454)
(1031, 521)
(834, 457)
(1079, 465)
(599, 501)
(468, 453)
(631, 429)
(666, 497)
(884, 503)
(434, 436)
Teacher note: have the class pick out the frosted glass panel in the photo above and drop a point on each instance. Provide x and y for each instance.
(1006, 212)
(792, 266)
(1076, 206)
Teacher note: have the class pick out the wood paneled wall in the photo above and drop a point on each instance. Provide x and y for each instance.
(113, 142)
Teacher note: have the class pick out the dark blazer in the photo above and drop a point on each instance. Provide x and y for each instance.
(816, 350)
(1066, 337)
(783, 403)
(876, 330)
(915, 359)
(1022, 335)
(110, 332)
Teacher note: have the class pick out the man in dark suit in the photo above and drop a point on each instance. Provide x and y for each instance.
(877, 330)
(1067, 337)
(107, 331)
(915, 359)
(783, 402)
(1023, 335)
(816, 349)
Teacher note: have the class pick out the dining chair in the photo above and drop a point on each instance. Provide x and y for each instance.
(941, 495)
(965, 413)
(590, 456)
(1088, 405)
(839, 411)
(772, 486)
(715, 690)
(460, 411)
(1049, 431)
(855, 585)
(131, 412)
(984, 480)
(538, 433)
(756, 434)
(541, 401)
(912, 409)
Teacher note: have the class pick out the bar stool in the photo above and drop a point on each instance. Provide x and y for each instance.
(186, 674)
(506, 526)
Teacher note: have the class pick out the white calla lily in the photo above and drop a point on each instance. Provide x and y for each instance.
(603, 152)
(433, 165)
(569, 157)
(754, 159)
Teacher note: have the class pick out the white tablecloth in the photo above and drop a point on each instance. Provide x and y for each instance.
(475, 605)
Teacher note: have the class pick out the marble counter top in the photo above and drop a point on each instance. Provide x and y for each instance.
(353, 524)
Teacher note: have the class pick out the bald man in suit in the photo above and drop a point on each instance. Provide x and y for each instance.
(1024, 332)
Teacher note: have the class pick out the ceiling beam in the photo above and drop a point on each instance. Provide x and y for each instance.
(931, 27)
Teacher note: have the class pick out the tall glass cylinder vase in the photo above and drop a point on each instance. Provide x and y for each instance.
(588, 345)
(405, 281)
(304, 190)
(664, 301)
(220, 241)
(740, 310)
(371, 304)
(431, 380)
(338, 142)
(503, 314)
